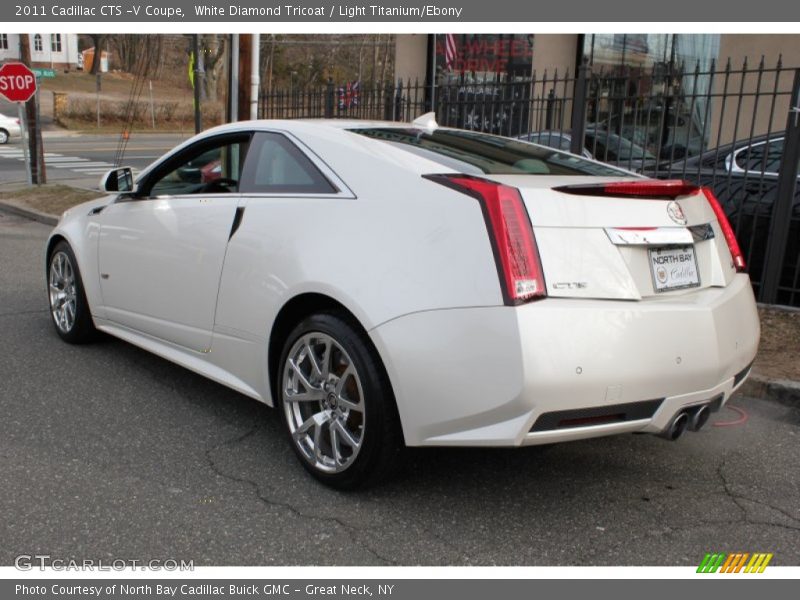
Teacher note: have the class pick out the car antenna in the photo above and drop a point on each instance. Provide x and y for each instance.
(426, 121)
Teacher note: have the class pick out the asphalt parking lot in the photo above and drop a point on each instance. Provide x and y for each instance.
(107, 452)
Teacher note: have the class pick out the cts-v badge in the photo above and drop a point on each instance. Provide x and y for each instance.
(570, 285)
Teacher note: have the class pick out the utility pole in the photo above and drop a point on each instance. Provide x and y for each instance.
(232, 112)
(255, 75)
(36, 149)
(245, 56)
(197, 82)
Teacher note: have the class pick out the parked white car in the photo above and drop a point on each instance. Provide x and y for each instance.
(10, 129)
(389, 284)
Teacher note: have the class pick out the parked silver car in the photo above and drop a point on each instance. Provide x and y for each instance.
(9, 129)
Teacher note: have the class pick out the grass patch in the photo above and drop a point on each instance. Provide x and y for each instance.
(780, 344)
(115, 85)
(81, 113)
(52, 199)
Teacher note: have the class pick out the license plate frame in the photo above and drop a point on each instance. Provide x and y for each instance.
(673, 268)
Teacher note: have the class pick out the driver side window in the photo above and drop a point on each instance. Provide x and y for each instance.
(208, 169)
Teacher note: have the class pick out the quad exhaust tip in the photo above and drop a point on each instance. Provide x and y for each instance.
(699, 417)
(676, 427)
(692, 419)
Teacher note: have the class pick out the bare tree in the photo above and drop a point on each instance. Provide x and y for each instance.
(212, 50)
(387, 52)
(97, 40)
(140, 54)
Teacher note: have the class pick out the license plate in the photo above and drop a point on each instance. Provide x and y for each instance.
(674, 268)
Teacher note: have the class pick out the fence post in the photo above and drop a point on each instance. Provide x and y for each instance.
(578, 118)
(388, 101)
(329, 93)
(548, 119)
(398, 102)
(784, 198)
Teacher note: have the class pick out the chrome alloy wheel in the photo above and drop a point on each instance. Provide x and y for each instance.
(323, 400)
(63, 293)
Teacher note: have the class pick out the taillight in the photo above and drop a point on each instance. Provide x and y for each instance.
(511, 235)
(727, 230)
(638, 188)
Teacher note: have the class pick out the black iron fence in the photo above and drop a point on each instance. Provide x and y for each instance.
(732, 128)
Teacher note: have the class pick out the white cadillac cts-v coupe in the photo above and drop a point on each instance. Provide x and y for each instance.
(389, 284)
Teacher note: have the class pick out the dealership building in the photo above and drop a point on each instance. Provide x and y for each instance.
(503, 58)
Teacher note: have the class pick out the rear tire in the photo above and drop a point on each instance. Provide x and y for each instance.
(69, 309)
(337, 403)
(3, 136)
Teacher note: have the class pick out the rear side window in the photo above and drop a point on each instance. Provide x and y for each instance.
(276, 166)
(761, 157)
(476, 153)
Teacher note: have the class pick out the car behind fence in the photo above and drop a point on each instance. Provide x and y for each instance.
(732, 128)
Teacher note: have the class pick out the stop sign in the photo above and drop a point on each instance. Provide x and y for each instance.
(17, 82)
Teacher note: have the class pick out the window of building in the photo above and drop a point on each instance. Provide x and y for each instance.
(474, 71)
(653, 89)
(55, 42)
(483, 57)
(3, 41)
(37, 43)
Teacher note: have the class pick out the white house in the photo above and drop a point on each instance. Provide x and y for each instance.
(54, 50)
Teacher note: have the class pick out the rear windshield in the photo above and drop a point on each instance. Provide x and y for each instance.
(476, 153)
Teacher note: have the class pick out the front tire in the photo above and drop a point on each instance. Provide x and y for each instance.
(338, 405)
(69, 309)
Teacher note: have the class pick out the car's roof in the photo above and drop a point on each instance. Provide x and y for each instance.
(306, 124)
(357, 124)
(302, 128)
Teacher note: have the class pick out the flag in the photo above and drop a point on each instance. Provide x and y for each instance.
(449, 51)
(348, 95)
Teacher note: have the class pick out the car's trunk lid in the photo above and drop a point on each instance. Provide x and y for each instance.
(600, 237)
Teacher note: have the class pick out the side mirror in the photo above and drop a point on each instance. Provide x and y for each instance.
(118, 180)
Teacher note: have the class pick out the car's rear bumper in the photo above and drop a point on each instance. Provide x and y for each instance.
(560, 369)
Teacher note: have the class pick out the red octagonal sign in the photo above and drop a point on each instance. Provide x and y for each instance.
(17, 82)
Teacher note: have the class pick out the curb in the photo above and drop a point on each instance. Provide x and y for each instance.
(28, 213)
(783, 391)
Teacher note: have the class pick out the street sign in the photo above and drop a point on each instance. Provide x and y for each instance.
(44, 73)
(17, 82)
